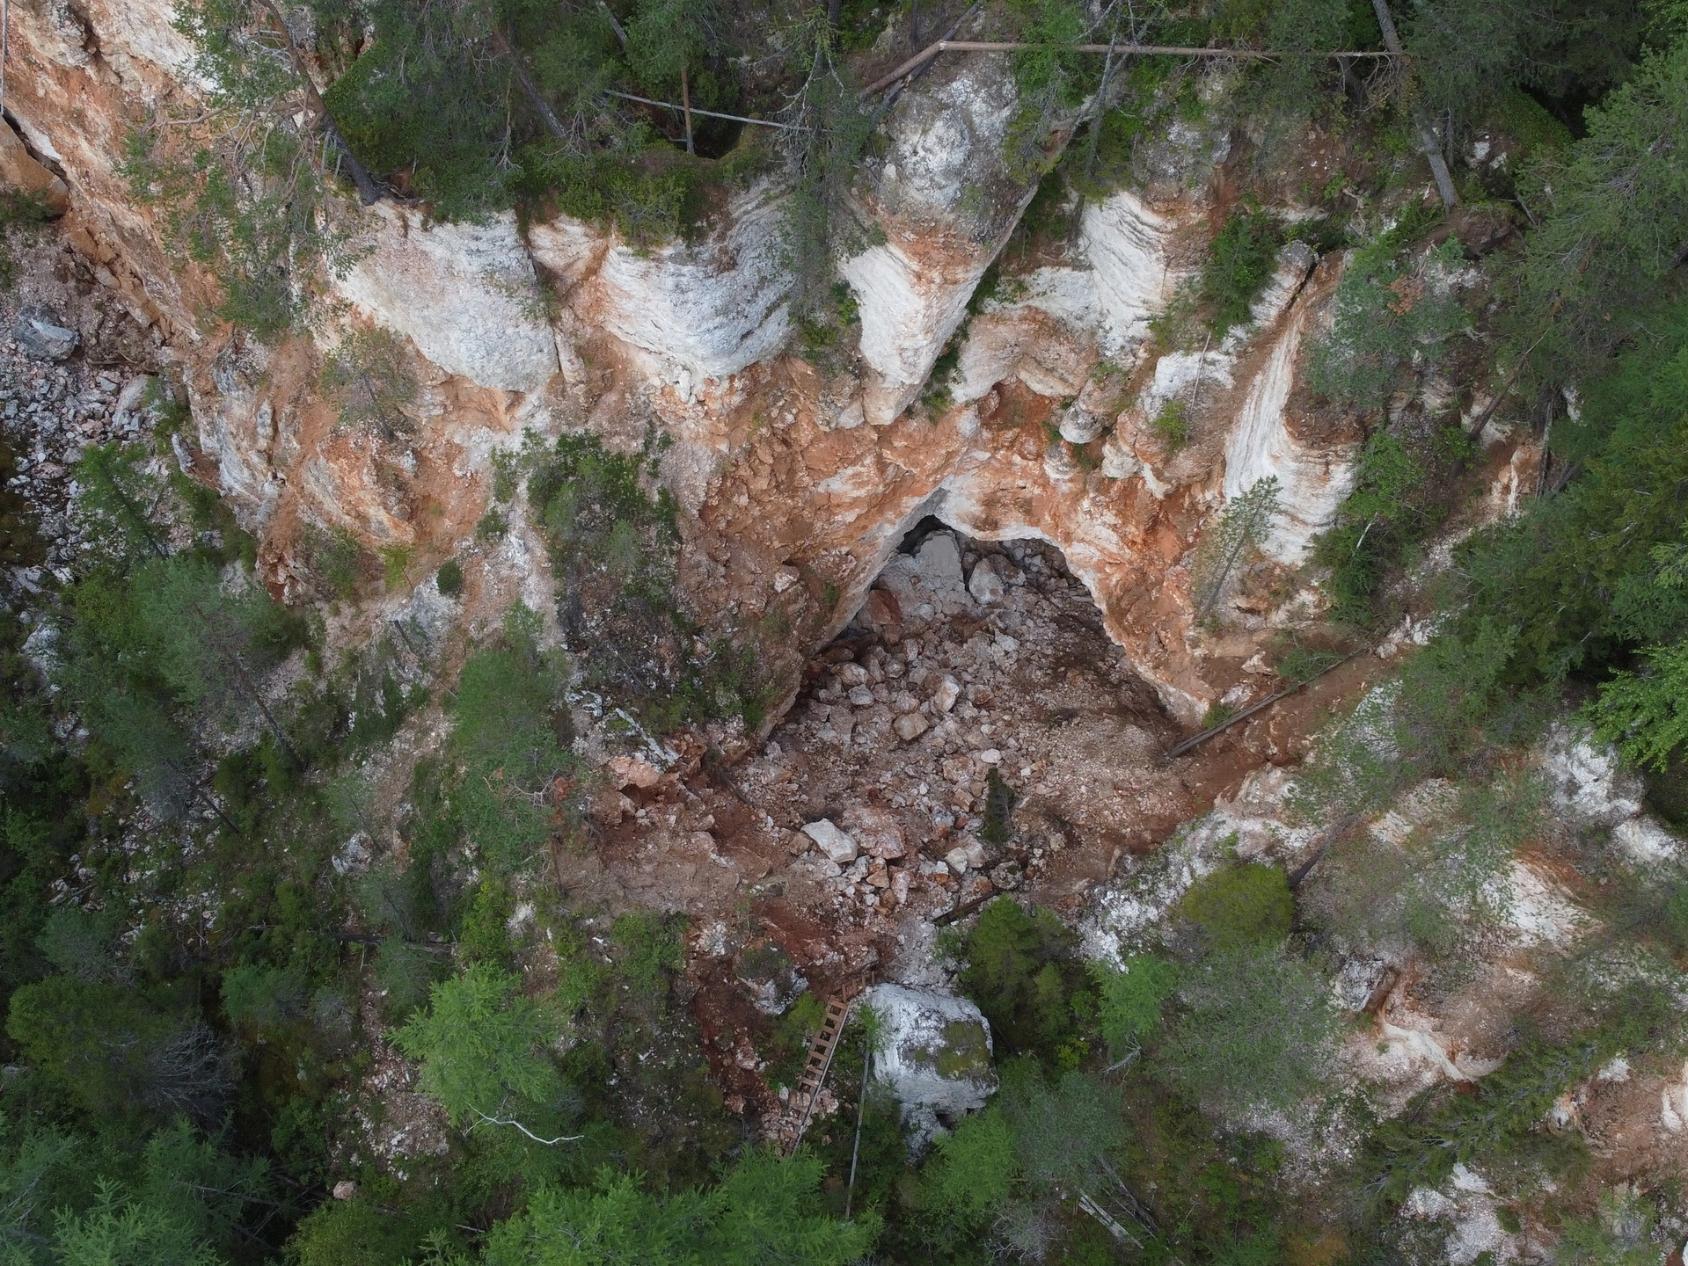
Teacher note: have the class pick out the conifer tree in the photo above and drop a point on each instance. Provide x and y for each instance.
(1242, 526)
(249, 186)
(370, 373)
(826, 135)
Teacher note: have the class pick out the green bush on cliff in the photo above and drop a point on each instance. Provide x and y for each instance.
(1238, 268)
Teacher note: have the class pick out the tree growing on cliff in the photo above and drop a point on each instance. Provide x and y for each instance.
(1242, 526)
(827, 132)
(249, 185)
(1615, 228)
(1646, 712)
(764, 1210)
(1392, 307)
(212, 646)
(666, 41)
(1047, 79)
(369, 372)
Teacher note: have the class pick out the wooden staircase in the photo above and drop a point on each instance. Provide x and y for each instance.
(821, 1050)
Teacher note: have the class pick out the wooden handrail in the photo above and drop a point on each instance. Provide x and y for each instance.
(1145, 50)
(1196, 740)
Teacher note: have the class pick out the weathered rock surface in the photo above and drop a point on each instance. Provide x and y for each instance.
(19, 170)
(465, 294)
(562, 326)
(835, 844)
(40, 335)
(935, 1055)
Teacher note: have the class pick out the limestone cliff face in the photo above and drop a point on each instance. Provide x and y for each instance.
(1041, 429)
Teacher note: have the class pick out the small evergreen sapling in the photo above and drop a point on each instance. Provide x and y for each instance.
(369, 373)
(1242, 526)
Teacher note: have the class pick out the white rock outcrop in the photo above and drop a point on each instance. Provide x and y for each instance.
(1312, 480)
(1125, 242)
(934, 1055)
(701, 310)
(465, 294)
(943, 148)
(1121, 277)
(1592, 790)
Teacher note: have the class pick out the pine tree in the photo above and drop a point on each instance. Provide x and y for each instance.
(371, 375)
(1646, 713)
(826, 134)
(1241, 527)
(1257, 1031)
(1617, 223)
(249, 186)
(482, 1046)
(666, 41)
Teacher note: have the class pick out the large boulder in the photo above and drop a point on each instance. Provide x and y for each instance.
(934, 1055)
(927, 583)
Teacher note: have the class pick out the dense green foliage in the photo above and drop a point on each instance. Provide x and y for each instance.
(1022, 970)
(1587, 581)
(762, 1212)
(1238, 907)
(614, 548)
(1244, 252)
(1391, 307)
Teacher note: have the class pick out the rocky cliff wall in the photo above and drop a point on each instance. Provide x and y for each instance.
(781, 466)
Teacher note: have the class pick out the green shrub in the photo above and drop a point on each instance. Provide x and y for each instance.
(1240, 907)
(1171, 424)
(1303, 663)
(337, 559)
(21, 212)
(449, 578)
(1241, 263)
(1391, 308)
(1000, 800)
(1257, 1029)
(483, 936)
(971, 1172)
(404, 972)
(652, 951)
(395, 565)
(483, 1046)
(263, 999)
(353, 1232)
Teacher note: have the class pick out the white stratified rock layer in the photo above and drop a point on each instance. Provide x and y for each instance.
(701, 309)
(1311, 481)
(465, 294)
(1126, 277)
(1125, 243)
(909, 308)
(943, 147)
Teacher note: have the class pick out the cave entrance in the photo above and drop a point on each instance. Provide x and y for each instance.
(971, 730)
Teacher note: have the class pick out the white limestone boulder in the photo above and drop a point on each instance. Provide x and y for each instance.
(934, 1055)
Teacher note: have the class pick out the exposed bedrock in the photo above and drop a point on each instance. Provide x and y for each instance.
(1040, 425)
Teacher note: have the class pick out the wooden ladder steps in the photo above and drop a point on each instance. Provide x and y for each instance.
(815, 1069)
